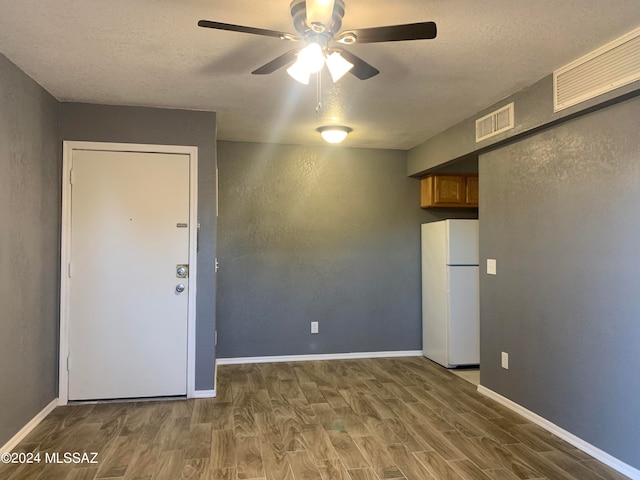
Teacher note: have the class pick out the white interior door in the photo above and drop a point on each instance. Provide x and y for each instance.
(127, 324)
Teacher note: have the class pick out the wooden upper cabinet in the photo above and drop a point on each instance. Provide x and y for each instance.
(472, 190)
(457, 190)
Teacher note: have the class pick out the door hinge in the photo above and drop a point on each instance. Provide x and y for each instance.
(67, 363)
(215, 338)
(71, 176)
(69, 269)
(217, 265)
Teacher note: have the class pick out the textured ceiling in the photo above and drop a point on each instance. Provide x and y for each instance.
(151, 53)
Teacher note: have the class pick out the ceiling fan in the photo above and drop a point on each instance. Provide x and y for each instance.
(318, 23)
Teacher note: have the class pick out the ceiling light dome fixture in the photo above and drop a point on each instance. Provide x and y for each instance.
(334, 133)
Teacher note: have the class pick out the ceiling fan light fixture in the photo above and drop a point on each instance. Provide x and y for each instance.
(334, 133)
(311, 57)
(337, 66)
(299, 72)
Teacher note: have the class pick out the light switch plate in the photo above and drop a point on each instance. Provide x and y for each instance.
(505, 360)
(491, 266)
(314, 327)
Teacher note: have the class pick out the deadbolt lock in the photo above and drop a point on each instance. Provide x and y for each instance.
(182, 271)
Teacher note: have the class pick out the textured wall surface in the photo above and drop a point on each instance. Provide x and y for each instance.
(559, 212)
(533, 108)
(103, 123)
(318, 234)
(29, 248)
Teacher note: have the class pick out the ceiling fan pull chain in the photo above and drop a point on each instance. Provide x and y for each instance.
(318, 92)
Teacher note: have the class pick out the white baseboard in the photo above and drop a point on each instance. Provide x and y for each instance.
(322, 356)
(569, 437)
(215, 374)
(24, 431)
(204, 393)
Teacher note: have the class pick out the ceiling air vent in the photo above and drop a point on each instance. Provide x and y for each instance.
(612, 66)
(495, 123)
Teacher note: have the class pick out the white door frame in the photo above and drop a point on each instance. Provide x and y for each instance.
(65, 250)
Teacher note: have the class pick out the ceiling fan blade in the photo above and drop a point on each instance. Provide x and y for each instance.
(395, 33)
(361, 69)
(276, 63)
(242, 29)
(319, 13)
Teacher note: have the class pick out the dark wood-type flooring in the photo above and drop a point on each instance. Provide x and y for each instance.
(374, 419)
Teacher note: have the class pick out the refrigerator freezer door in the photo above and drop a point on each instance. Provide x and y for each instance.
(462, 241)
(464, 317)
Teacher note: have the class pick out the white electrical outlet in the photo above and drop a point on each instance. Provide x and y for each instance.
(314, 327)
(505, 360)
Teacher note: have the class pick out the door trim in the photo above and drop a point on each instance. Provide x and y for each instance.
(68, 148)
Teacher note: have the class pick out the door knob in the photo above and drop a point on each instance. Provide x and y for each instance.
(180, 288)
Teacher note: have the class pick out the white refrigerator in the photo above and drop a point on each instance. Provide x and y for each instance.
(450, 292)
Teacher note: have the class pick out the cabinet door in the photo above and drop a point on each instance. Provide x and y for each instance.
(472, 191)
(449, 189)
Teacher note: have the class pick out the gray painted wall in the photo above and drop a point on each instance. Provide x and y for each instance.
(29, 248)
(533, 109)
(318, 234)
(103, 123)
(559, 212)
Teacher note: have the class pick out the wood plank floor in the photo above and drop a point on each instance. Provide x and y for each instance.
(374, 419)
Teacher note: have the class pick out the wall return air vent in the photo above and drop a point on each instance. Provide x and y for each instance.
(611, 66)
(494, 123)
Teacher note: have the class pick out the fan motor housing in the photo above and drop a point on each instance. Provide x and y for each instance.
(299, 14)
